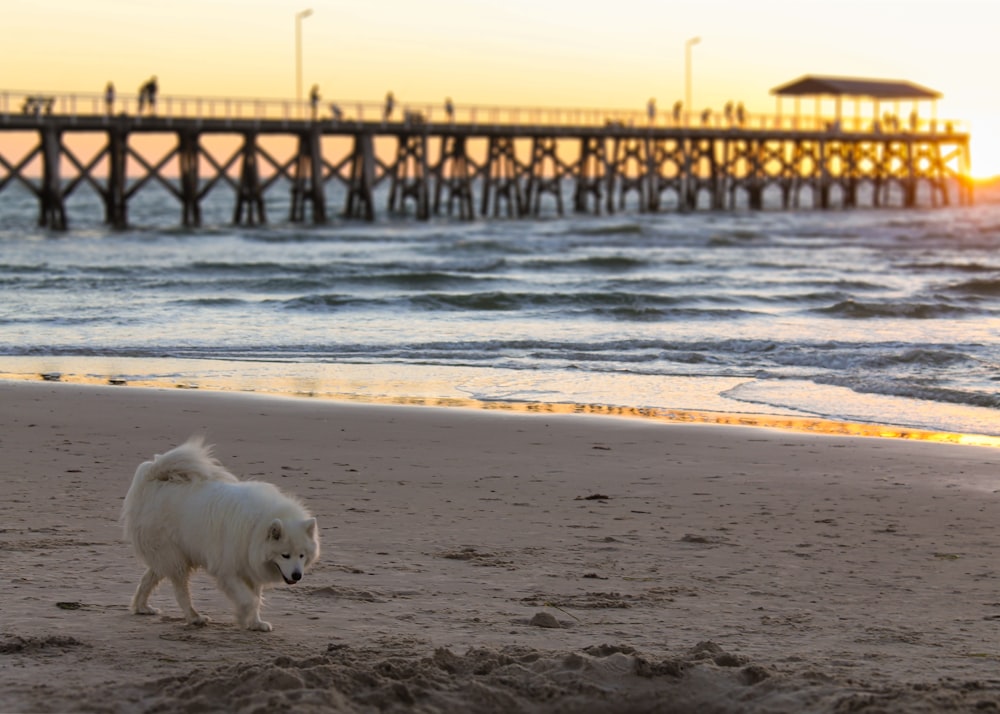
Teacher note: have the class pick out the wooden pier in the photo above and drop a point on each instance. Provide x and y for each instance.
(482, 168)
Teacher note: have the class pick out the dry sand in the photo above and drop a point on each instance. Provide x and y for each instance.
(484, 562)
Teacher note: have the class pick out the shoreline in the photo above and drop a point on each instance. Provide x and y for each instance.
(437, 395)
(480, 561)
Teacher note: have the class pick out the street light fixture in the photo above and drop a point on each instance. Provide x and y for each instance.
(687, 75)
(299, 16)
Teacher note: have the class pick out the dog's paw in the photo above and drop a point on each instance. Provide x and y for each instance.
(145, 610)
(260, 626)
(199, 620)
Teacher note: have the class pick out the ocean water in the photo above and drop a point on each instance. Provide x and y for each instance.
(884, 317)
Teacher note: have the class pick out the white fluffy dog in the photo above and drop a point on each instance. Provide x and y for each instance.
(185, 511)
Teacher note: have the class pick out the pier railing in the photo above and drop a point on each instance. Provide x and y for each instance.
(40, 104)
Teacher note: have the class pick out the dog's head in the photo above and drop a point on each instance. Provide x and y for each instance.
(293, 546)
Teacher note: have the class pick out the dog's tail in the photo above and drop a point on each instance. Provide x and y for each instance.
(190, 462)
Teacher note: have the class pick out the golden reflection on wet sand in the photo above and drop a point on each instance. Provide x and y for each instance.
(308, 389)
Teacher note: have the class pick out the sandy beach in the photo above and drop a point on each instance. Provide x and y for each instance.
(490, 562)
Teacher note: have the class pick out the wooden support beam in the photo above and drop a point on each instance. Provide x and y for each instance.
(591, 173)
(502, 178)
(805, 168)
(410, 175)
(627, 171)
(866, 162)
(774, 167)
(187, 154)
(307, 184)
(360, 203)
(893, 171)
(544, 174)
(910, 174)
(152, 173)
(52, 213)
(249, 210)
(281, 170)
(15, 171)
(823, 174)
(221, 170)
(452, 175)
(84, 172)
(849, 154)
(701, 172)
(666, 164)
(115, 201)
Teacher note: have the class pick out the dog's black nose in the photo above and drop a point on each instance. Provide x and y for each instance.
(296, 577)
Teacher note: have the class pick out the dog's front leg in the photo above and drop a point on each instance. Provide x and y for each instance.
(247, 601)
(251, 616)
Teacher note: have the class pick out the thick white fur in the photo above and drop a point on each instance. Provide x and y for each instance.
(185, 511)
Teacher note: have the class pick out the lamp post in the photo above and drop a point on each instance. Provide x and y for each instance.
(299, 16)
(687, 75)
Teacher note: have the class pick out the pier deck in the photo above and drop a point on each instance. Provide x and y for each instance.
(487, 164)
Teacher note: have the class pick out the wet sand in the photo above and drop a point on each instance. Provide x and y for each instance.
(493, 562)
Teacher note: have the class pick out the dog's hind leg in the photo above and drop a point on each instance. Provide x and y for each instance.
(182, 592)
(140, 601)
(247, 601)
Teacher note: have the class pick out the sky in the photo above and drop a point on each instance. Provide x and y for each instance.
(616, 54)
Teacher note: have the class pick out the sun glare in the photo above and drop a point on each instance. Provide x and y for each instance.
(984, 148)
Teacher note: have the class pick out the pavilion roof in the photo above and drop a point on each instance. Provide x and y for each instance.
(812, 85)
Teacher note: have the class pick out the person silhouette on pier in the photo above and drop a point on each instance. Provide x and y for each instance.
(449, 109)
(651, 110)
(109, 98)
(390, 102)
(678, 106)
(314, 100)
(147, 95)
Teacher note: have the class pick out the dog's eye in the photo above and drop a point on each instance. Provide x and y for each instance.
(285, 556)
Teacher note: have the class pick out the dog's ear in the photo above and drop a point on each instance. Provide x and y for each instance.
(274, 532)
(311, 527)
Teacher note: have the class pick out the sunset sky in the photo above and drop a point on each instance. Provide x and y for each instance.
(569, 53)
